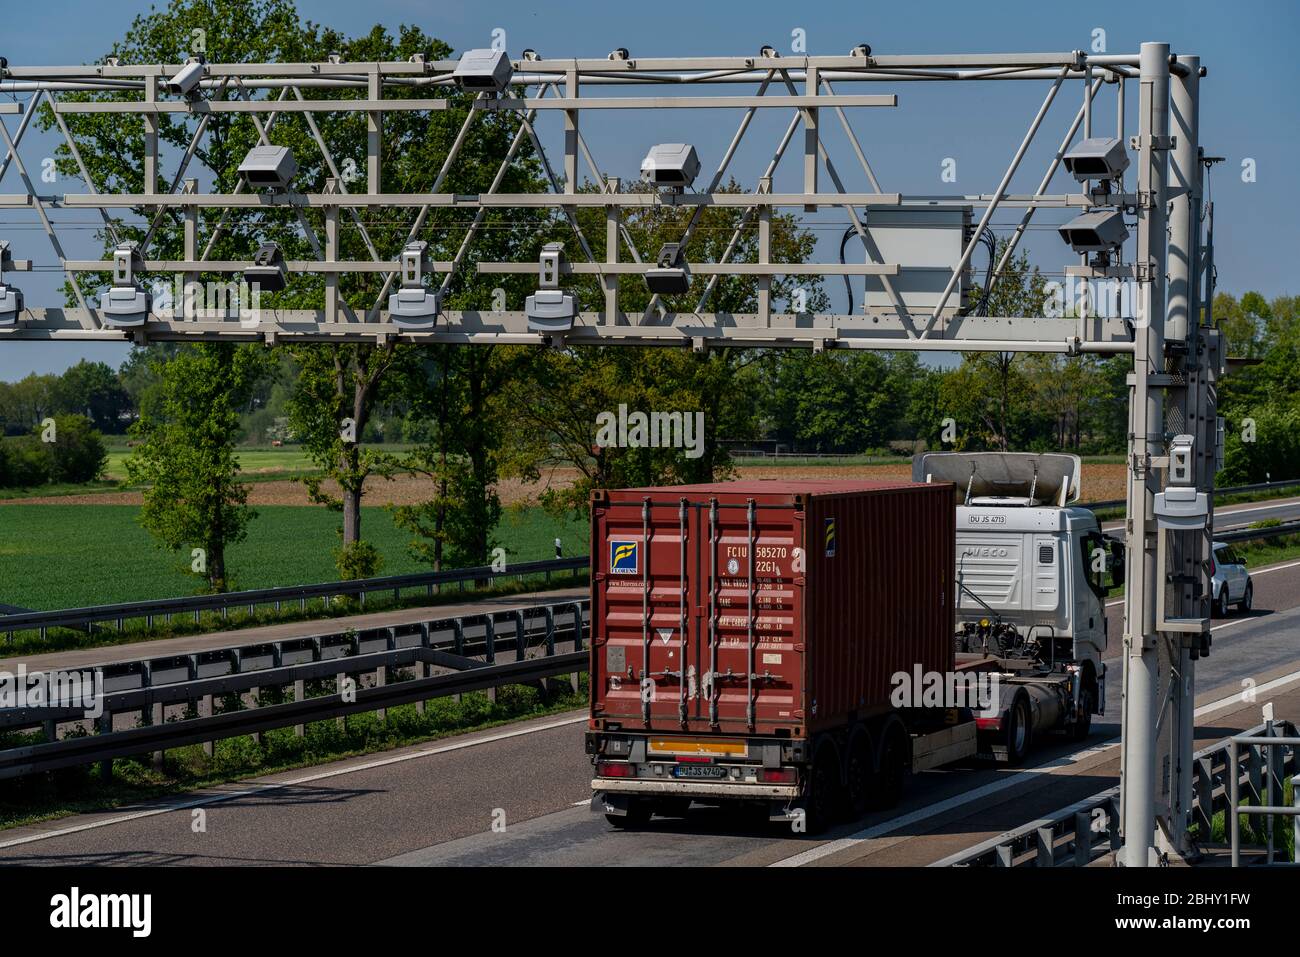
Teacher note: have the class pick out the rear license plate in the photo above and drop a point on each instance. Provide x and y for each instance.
(699, 771)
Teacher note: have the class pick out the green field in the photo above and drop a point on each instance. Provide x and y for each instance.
(64, 556)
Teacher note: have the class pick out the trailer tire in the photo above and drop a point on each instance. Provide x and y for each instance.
(859, 777)
(637, 816)
(1019, 730)
(891, 767)
(822, 803)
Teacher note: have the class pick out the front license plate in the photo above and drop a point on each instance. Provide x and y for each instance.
(699, 771)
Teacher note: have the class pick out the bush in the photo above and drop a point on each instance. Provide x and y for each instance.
(28, 462)
(78, 450)
(357, 560)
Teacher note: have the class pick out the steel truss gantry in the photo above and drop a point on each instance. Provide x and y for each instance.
(1177, 357)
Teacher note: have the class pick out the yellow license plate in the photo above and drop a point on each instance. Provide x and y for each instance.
(703, 746)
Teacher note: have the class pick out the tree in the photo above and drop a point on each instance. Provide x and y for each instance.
(77, 450)
(989, 394)
(93, 389)
(186, 458)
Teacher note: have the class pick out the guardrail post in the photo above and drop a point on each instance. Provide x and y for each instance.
(1203, 789)
(155, 713)
(299, 694)
(50, 729)
(1268, 797)
(490, 643)
(341, 720)
(576, 677)
(106, 765)
(381, 673)
(1045, 855)
(1295, 820)
(422, 669)
(1234, 800)
(521, 640)
(458, 642)
(1082, 838)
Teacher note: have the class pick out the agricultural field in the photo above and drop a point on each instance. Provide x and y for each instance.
(70, 555)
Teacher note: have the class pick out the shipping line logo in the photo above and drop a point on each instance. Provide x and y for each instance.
(830, 538)
(623, 558)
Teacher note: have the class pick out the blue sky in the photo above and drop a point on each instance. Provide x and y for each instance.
(1249, 104)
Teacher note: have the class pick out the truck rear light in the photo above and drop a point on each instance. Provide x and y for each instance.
(777, 775)
(988, 724)
(615, 769)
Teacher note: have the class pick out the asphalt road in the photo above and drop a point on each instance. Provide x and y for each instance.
(518, 795)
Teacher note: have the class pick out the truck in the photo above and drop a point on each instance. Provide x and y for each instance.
(803, 647)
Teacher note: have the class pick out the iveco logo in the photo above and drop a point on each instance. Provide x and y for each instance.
(986, 551)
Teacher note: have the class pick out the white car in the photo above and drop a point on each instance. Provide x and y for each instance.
(1229, 582)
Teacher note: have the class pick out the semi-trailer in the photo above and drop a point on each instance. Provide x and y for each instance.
(805, 646)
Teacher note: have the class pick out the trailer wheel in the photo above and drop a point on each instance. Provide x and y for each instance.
(1018, 730)
(637, 816)
(822, 802)
(891, 768)
(859, 777)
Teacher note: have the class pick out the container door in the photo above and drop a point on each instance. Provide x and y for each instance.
(752, 654)
(647, 674)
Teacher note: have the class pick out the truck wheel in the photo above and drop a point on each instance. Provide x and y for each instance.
(823, 799)
(1083, 724)
(1247, 599)
(892, 769)
(637, 816)
(859, 777)
(673, 807)
(1018, 730)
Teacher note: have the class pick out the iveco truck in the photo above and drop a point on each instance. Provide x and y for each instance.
(803, 647)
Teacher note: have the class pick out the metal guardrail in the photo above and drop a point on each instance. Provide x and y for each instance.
(1229, 490)
(1254, 534)
(86, 618)
(466, 646)
(1078, 834)
(1264, 761)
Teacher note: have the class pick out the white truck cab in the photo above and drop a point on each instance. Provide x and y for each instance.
(1030, 566)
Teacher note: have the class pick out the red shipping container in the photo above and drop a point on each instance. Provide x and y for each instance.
(765, 607)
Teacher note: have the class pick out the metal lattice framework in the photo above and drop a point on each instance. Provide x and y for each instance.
(808, 88)
(1176, 351)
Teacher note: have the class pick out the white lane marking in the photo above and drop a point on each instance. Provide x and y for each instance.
(921, 814)
(304, 779)
(1253, 572)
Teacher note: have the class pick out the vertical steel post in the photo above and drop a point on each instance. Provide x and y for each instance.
(1146, 440)
(374, 133)
(150, 120)
(1183, 325)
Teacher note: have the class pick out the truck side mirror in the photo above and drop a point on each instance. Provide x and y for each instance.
(1117, 563)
